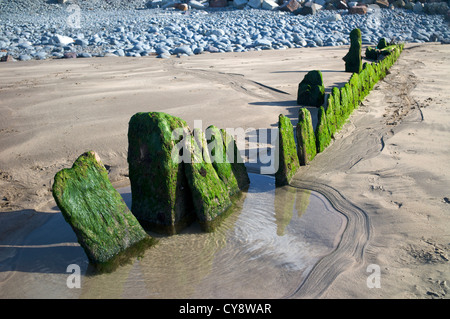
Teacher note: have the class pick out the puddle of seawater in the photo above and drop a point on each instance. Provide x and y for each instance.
(263, 250)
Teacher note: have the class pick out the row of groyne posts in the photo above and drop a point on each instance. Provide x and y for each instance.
(178, 175)
(339, 105)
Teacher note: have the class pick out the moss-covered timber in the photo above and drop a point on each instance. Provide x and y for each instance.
(342, 101)
(331, 115)
(382, 43)
(345, 104)
(351, 101)
(355, 85)
(229, 166)
(306, 138)
(288, 163)
(209, 193)
(237, 162)
(105, 227)
(311, 91)
(353, 61)
(161, 200)
(322, 133)
(338, 111)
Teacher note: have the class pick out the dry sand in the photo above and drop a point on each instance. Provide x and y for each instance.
(387, 170)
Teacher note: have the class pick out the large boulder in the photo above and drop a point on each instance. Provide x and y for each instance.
(255, 4)
(306, 138)
(290, 6)
(311, 91)
(209, 193)
(357, 10)
(353, 61)
(101, 220)
(218, 3)
(418, 7)
(342, 5)
(240, 4)
(161, 200)
(288, 163)
(269, 5)
(382, 3)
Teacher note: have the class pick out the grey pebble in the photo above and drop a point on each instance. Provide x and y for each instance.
(36, 30)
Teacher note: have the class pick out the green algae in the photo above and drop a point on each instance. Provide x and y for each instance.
(161, 200)
(371, 53)
(306, 139)
(345, 107)
(353, 61)
(236, 160)
(102, 222)
(355, 85)
(322, 133)
(209, 193)
(232, 155)
(311, 91)
(350, 100)
(288, 163)
(382, 43)
(338, 110)
(331, 115)
(342, 102)
(220, 162)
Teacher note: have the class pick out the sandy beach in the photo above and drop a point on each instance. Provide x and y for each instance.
(387, 170)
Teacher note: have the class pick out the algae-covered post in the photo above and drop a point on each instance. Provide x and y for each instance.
(306, 139)
(322, 132)
(101, 220)
(331, 115)
(353, 61)
(226, 160)
(311, 91)
(161, 200)
(236, 160)
(288, 163)
(210, 194)
(382, 43)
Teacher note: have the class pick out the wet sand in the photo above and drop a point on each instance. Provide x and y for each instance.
(264, 249)
(387, 170)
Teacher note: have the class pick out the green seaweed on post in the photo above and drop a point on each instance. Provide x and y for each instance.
(336, 94)
(306, 138)
(322, 133)
(382, 43)
(331, 115)
(237, 163)
(311, 91)
(220, 162)
(354, 86)
(344, 104)
(161, 200)
(353, 60)
(350, 101)
(105, 227)
(209, 193)
(288, 163)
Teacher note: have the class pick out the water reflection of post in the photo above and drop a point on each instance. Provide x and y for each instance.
(288, 199)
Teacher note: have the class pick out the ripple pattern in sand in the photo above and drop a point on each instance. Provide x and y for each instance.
(264, 249)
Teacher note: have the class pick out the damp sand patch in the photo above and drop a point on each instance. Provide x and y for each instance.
(264, 249)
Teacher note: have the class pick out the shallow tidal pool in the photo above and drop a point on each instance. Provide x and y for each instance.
(264, 249)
